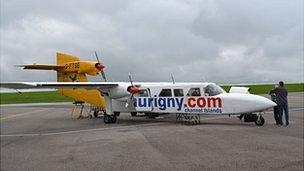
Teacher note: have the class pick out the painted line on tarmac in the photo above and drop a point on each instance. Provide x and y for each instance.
(77, 131)
(36, 104)
(295, 109)
(10, 116)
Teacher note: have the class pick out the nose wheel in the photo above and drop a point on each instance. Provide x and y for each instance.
(259, 120)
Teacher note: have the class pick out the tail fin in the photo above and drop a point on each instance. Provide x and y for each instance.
(62, 76)
(89, 96)
(63, 58)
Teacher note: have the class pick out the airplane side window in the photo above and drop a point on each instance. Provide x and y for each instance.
(194, 92)
(165, 93)
(178, 92)
(212, 90)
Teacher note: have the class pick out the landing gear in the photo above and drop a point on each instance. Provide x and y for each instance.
(114, 119)
(133, 113)
(260, 120)
(256, 118)
(95, 113)
(96, 110)
(109, 118)
(116, 113)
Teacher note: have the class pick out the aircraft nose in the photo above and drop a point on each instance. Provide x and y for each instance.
(268, 103)
(246, 103)
(262, 103)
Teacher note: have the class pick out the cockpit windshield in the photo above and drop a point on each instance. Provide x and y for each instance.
(213, 90)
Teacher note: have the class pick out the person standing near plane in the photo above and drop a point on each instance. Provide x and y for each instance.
(282, 102)
(275, 108)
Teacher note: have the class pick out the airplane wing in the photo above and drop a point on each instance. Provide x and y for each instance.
(42, 66)
(57, 85)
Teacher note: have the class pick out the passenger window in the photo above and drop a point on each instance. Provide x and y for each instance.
(165, 93)
(178, 92)
(194, 92)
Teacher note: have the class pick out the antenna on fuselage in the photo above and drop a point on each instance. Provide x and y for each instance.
(173, 79)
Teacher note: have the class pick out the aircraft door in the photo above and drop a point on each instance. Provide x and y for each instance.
(142, 101)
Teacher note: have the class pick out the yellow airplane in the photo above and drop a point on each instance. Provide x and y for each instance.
(70, 69)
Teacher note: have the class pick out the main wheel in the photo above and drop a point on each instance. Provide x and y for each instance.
(107, 119)
(114, 118)
(133, 113)
(259, 121)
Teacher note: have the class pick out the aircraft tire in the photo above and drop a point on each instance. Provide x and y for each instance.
(107, 119)
(133, 113)
(259, 121)
(114, 118)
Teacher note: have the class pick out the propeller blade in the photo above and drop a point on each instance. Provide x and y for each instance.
(103, 76)
(97, 57)
(131, 89)
(131, 98)
(130, 78)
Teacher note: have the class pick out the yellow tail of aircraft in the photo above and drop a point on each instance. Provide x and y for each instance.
(70, 69)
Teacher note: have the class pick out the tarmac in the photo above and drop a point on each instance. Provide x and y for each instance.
(44, 137)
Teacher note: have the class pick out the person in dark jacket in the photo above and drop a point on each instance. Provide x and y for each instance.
(275, 108)
(282, 102)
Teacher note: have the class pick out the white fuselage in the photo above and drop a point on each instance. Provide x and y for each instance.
(164, 97)
(194, 98)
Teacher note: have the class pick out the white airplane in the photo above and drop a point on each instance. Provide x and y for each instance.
(165, 97)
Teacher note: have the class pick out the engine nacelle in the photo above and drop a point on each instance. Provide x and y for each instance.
(119, 92)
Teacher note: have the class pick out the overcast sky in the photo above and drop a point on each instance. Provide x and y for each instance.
(220, 41)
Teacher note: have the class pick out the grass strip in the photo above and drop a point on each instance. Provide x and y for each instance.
(53, 96)
(264, 88)
(32, 97)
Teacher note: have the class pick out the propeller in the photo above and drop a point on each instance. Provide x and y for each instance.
(100, 67)
(133, 89)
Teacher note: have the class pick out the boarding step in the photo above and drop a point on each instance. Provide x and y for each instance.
(80, 111)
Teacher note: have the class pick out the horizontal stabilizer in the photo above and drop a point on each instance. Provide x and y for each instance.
(42, 66)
